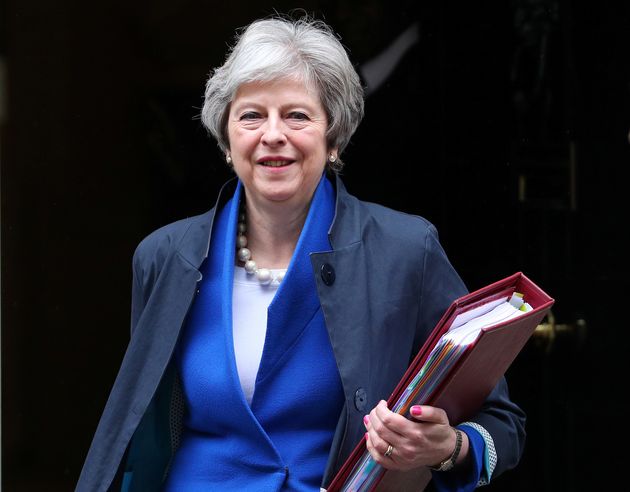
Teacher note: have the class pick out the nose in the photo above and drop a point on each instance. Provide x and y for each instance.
(273, 132)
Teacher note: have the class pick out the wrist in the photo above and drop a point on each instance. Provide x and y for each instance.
(452, 460)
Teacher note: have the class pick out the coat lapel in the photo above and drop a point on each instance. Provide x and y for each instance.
(296, 302)
(170, 302)
(346, 300)
(346, 304)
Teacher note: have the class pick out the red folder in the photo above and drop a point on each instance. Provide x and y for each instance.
(474, 375)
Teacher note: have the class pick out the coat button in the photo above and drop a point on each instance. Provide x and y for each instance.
(360, 399)
(328, 274)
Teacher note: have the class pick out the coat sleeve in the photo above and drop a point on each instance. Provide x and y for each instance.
(503, 420)
(146, 264)
(143, 271)
(137, 295)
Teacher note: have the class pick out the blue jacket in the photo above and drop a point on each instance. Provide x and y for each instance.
(382, 289)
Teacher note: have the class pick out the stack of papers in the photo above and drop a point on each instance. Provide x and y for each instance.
(464, 331)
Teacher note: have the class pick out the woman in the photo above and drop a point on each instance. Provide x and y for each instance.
(267, 332)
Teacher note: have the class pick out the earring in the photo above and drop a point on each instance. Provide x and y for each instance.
(228, 158)
(332, 157)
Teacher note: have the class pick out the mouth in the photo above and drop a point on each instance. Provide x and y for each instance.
(275, 163)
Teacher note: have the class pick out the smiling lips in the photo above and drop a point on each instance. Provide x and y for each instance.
(275, 163)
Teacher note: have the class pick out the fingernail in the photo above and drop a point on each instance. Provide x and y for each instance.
(416, 410)
(366, 436)
(366, 420)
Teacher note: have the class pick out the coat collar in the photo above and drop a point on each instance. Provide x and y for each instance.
(344, 230)
(195, 243)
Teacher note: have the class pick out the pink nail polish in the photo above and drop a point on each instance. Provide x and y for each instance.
(366, 420)
(416, 410)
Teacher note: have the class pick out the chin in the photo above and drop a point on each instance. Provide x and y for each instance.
(279, 193)
(279, 197)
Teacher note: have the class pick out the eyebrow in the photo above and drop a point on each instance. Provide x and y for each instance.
(256, 105)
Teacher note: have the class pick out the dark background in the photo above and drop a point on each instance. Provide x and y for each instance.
(506, 125)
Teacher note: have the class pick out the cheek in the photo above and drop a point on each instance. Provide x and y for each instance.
(242, 141)
(314, 145)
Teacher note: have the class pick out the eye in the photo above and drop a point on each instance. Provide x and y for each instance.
(298, 115)
(249, 115)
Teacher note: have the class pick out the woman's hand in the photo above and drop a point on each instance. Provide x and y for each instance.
(426, 440)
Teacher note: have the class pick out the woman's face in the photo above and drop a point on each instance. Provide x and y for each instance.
(277, 134)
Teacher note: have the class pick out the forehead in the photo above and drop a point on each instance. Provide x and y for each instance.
(279, 91)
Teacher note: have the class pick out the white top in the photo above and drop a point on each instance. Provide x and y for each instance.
(250, 301)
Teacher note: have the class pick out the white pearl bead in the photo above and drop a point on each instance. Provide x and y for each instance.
(264, 276)
(250, 266)
(244, 254)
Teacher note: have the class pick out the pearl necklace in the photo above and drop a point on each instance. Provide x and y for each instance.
(264, 275)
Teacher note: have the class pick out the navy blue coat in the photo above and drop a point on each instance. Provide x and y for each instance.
(382, 289)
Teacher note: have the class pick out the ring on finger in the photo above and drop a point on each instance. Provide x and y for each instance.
(390, 450)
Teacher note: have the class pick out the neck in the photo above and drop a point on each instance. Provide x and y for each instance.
(273, 231)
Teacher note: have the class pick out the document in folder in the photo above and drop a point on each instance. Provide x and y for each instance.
(471, 347)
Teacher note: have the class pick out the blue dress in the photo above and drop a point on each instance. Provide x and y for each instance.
(282, 441)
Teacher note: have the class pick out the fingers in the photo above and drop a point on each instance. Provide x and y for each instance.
(381, 425)
(414, 442)
(389, 462)
(384, 429)
(386, 425)
(425, 413)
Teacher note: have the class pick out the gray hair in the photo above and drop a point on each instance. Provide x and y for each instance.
(277, 48)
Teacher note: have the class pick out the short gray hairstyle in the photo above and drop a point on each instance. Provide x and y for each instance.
(277, 48)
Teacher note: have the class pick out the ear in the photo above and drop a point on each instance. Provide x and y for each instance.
(333, 155)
